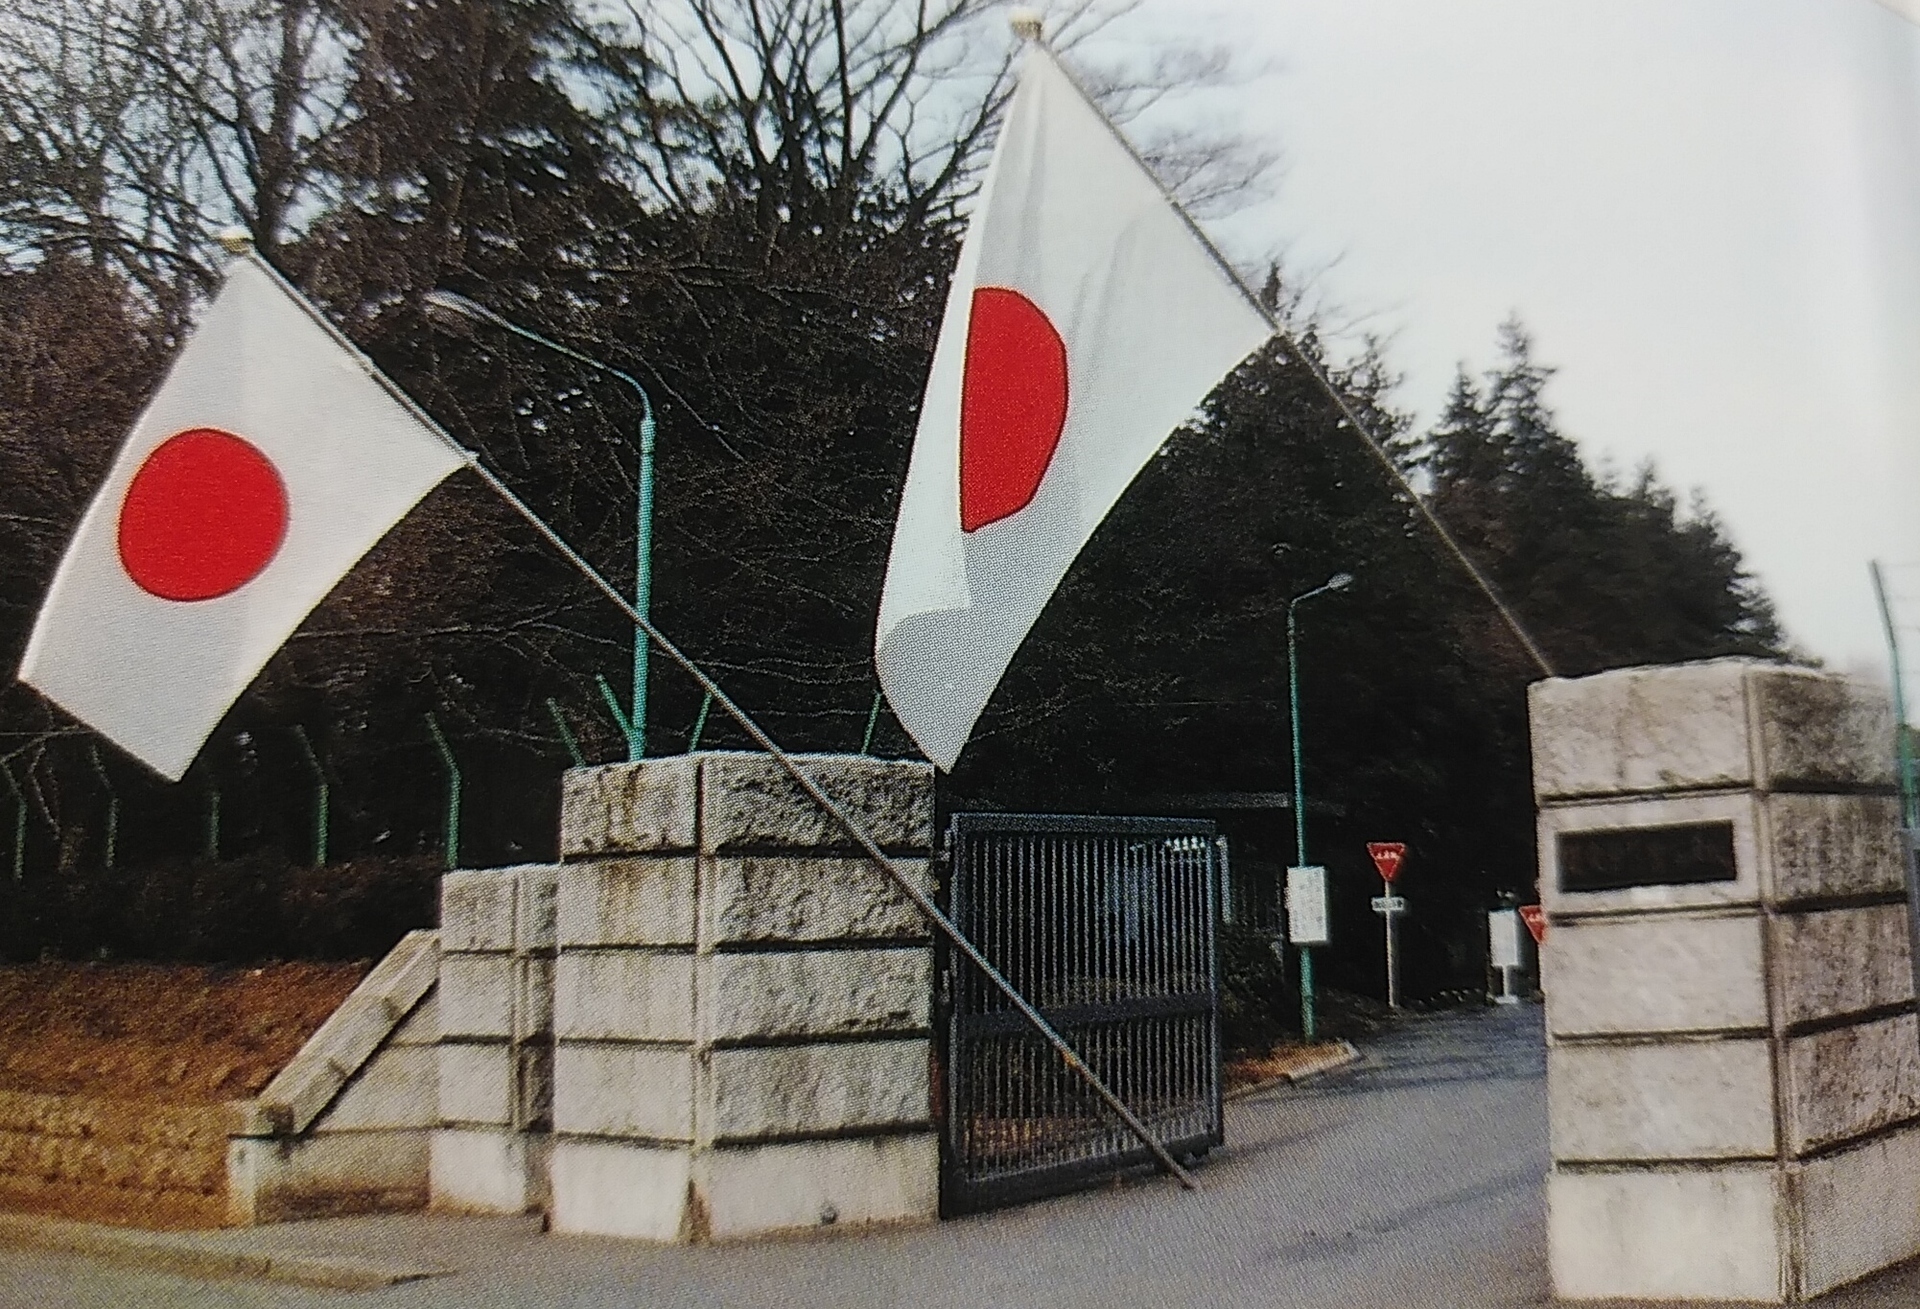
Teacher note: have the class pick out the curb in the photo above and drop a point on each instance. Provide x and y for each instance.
(199, 1256)
(1334, 1059)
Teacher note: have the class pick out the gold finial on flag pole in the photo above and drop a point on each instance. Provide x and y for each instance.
(1026, 23)
(235, 240)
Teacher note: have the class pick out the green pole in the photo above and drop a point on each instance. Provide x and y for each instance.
(453, 792)
(620, 719)
(321, 797)
(700, 723)
(1338, 582)
(213, 823)
(566, 734)
(642, 577)
(450, 302)
(113, 802)
(873, 721)
(1902, 737)
(1307, 1025)
(19, 823)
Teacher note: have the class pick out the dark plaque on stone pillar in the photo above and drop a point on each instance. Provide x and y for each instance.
(1616, 858)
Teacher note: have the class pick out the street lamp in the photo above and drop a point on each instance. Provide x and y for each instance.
(449, 311)
(1338, 582)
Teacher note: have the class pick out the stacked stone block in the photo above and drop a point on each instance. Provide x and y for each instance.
(496, 1046)
(742, 1001)
(1733, 1065)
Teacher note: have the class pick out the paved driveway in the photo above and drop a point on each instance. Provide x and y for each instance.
(1412, 1179)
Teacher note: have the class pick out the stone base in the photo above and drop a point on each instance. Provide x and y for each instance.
(486, 1171)
(1735, 1232)
(1860, 1210)
(678, 1194)
(325, 1175)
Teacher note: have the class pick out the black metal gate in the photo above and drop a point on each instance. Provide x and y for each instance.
(1108, 927)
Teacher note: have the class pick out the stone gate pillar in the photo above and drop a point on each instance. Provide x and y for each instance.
(1733, 1070)
(741, 1001)
(495, 1058)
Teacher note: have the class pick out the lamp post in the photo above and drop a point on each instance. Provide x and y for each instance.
(446, 310)
(1338, 582)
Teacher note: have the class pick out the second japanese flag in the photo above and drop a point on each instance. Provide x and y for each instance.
(1086, 320)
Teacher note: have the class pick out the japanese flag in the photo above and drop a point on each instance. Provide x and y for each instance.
(269, 461)
(1086, 320)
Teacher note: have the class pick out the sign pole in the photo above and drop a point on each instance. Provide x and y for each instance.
(1393, 949)
(1386, 856)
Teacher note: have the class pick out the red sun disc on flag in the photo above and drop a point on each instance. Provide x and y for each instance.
(203, 516)
(1013, 405)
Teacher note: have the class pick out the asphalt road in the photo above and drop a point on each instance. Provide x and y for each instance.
(1413, 1178)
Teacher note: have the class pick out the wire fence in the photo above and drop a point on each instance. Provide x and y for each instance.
(319, 791)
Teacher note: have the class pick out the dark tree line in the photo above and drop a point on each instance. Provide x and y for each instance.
(752, 208)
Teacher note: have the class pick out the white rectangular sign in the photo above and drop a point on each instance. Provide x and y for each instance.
(1307, 906)
(1503, 926)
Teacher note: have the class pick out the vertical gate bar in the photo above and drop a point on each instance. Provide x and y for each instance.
(1133, 1044)
(956, 1022)
(1155, 1069)
(1190, 1085)
(1196, 904)
(1081, 860)
(1050, 959)
(1196, 883)
(1217, 868)
(1031, 1100)
(1003, 1082)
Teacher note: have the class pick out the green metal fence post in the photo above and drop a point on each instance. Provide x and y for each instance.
(453, 791)
(873, 721)
(566, 734)
(19, 823)
(620, 718)
(1903, 763)
(700, 723)
(113, 801)
(322, 795)
(213, 823)
(1903, 755)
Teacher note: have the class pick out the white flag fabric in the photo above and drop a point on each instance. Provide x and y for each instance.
(269, 461)
(1086, 320)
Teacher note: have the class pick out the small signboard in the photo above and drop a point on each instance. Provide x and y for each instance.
(1536, 920)
(1389, 904)
(1387, 857)
(1307, 906)
(1503, 930)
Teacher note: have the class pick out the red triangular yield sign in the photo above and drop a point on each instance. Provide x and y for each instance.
(1387, 856)
(1536, 920)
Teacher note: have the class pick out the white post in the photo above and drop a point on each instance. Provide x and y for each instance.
(1503, 937)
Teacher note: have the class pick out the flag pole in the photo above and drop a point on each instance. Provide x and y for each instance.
(846, 821)
(1028, 29)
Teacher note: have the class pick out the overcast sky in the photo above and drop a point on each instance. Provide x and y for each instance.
(1707, 211)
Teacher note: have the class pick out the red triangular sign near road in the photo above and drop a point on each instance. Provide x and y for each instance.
(1387, 856)
(1536, 920)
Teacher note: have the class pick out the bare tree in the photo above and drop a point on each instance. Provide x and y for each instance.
(131, 131)
(810, 108)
